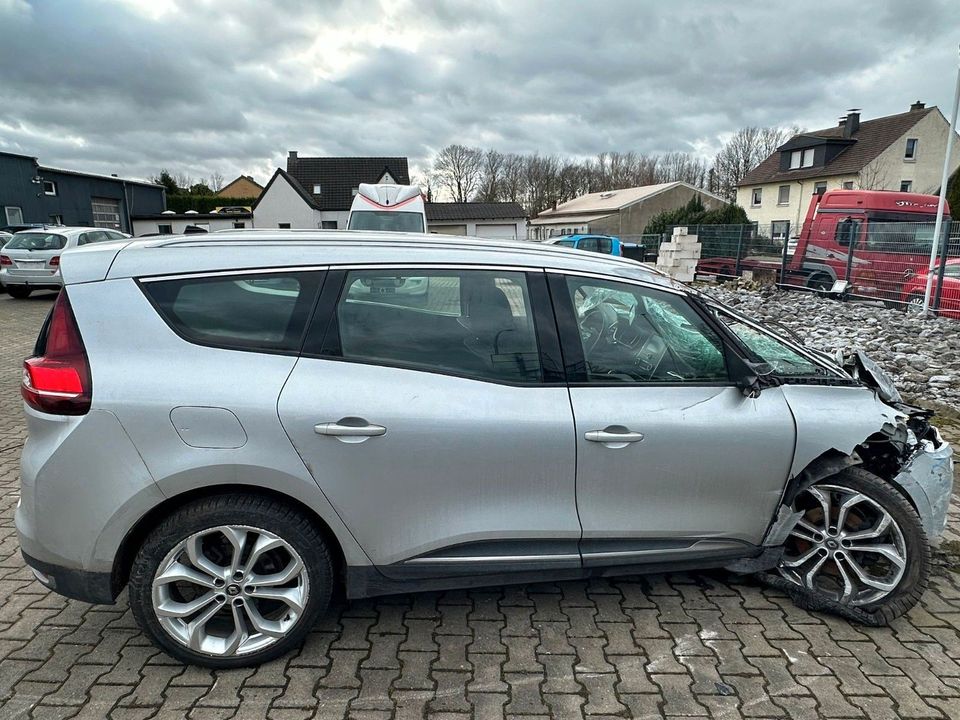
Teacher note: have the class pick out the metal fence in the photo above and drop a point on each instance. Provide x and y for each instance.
(881, 261)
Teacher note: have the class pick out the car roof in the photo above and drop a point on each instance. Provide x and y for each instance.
(258, 249)
(61, 230)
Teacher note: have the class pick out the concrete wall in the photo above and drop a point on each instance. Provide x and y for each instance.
(280, 203)
(75, 193)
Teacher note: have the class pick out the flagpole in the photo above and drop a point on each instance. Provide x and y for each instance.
(938, 226)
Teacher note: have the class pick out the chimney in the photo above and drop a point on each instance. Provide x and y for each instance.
(843, 121)
(917, 106)
(291, 160)
(853, 122)
(293, 155)
(555, 204)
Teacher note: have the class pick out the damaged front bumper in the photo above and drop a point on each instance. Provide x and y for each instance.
(927, 477)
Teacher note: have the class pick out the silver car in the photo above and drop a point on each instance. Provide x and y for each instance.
(30, 259)
(250, 428)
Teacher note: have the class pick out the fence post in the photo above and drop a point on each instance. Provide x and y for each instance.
(944, 250)
(736, 270)
(783, 255)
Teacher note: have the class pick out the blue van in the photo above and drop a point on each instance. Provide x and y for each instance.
(605, 244)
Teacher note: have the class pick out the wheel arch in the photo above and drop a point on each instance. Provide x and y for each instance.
(135, 537)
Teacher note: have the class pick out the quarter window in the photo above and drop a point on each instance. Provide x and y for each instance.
(252, 312)
(476, 323)
(632, 334)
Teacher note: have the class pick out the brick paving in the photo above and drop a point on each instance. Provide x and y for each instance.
(679, 645)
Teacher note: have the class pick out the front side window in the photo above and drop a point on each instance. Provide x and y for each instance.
(771, 350)
(631, 334)
(590, 244)
(783, 195)
(386, 220)
(251, 312)
(36, 241)
(475, 323)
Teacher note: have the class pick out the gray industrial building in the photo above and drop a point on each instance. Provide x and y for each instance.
(35, 193)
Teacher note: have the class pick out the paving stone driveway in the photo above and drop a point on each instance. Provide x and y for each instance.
(667, 645)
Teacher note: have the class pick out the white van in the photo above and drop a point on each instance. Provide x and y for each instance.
(391, 208)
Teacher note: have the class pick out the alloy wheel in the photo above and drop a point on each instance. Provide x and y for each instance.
(230, 590)
(845, 546)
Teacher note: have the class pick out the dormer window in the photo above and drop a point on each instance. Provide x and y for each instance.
(801, 159)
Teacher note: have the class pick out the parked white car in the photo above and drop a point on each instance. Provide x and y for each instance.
(31, 258)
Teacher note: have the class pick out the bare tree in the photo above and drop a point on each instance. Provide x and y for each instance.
(748, 147)
(873, 176)
(215, 182)
(512, 184)
(458, 170)
(183, 180)
(492, 176)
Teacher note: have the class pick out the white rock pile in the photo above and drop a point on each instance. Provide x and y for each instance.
(923, 355)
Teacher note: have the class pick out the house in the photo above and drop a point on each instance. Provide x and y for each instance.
(35, 193)
(243, 187)
(617, 212)
(316, 192)
(898, 152)
(171, 223)
(504, 220)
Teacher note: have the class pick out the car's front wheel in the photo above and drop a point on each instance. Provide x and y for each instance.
(858, 548)
(231, 580)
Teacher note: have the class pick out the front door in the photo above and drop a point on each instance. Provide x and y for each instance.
(429, 415)
(673, 461)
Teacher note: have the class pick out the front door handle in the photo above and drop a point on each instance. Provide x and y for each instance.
(345, 428)
(613, 434)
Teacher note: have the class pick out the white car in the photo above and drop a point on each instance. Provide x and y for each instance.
(31, 258)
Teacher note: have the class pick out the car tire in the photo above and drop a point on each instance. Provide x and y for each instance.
(203, 536)
(914, 303)
(19, 293)
(901, 550)
(819, 282)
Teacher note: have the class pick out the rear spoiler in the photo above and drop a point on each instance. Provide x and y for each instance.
(90, 263)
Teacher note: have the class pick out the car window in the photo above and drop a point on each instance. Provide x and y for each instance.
(245, 312)
(771, 350)
(951, 271)
(386, 220)
(589, 244)
(566, 243)
(475, 323)
(605, 245)
(630, 333)
(36, 241)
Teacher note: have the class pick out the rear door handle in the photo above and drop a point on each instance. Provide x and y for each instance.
(339, 429)
(613, 435)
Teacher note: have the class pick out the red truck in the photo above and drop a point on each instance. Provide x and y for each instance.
(876, 239)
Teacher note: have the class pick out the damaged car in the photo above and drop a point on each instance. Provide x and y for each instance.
(252, 429)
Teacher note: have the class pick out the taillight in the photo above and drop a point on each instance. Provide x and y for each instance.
(4, 260)
(55, 261)
(58, 381)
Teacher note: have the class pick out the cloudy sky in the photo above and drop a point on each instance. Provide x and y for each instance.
(196, 86)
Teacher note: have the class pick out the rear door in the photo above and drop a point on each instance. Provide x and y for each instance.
(435, 419)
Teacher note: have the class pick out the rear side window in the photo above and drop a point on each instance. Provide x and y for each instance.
(475, 323)
(244, 312)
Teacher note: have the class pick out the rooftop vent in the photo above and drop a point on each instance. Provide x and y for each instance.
(607, 195)
(191, 212)
(168, 212)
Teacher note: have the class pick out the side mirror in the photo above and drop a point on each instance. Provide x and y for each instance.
(751, 377)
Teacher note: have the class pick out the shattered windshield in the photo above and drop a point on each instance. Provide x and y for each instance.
(772, 351)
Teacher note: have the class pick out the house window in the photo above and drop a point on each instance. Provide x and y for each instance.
(14, 215)
(848, 185)
(283, 226)
(49, 187)
(56, 219)
(906, 186)
(779, 229)
(239, 225)
(911, 151)
(819, 188)
(755, 197)
(165, 229)
(801, 159)
(783, 195)
(328, 224)
(316, 188)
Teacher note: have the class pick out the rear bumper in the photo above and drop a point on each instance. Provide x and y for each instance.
(31, 278)
(91, 587)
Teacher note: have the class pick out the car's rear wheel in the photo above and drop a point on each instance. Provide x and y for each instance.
(230, 581)
(858, 549)
(820, 282)
(20, 293)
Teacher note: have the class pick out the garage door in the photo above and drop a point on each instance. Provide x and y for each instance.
(497, 231)
(106, 213)
(449, 229)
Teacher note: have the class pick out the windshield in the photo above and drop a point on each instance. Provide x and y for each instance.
(566, 243)
(884, 234)
(389, 220)
(770, 349)
(36, 241)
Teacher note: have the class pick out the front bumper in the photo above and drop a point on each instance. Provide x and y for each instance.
(928, 478)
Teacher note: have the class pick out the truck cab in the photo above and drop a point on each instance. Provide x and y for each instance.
(391, 208)
(876, 239)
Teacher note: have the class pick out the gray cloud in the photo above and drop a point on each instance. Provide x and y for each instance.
(230, 87)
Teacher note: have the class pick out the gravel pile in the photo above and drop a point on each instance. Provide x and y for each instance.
(923, 355)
